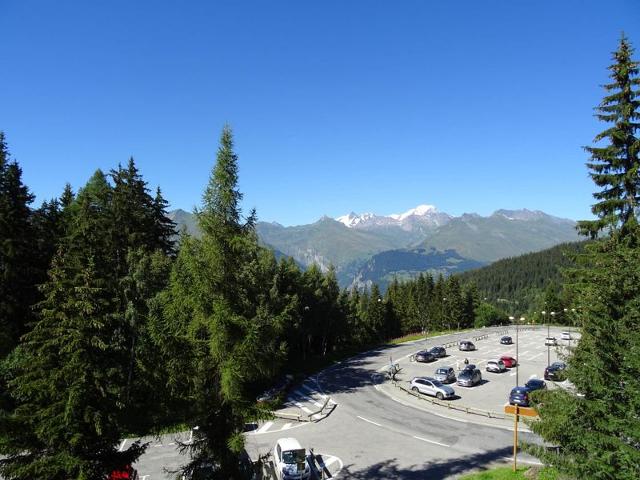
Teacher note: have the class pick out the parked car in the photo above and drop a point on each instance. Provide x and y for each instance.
(508, 361)
(555, 372)
(126, 472)
(290, 460)
(550, 341)
(466, 346)
(496, 366)
(431, 386)
(565, 336)
(445, 375)
(519, 396)
(424, 356)
(469, 378)
(535, 384)
(506, 340)
(438, 352)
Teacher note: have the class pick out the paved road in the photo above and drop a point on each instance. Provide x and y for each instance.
(371, 435)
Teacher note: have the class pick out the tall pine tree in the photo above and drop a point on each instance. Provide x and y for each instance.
(615, 166)
(220, 307)
(598, 431)
(18, 280)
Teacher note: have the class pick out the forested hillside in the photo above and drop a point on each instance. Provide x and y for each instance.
(519, 284)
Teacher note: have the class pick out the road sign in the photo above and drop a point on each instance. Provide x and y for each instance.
(524, 411)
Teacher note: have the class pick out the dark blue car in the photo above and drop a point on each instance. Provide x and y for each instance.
(519, 396)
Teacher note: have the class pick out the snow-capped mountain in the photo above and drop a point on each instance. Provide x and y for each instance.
(420, 216)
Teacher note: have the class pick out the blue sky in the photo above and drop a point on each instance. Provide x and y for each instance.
(336, 105)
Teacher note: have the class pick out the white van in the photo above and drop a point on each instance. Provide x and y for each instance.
(290, 460)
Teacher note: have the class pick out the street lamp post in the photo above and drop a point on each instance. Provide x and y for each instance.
(517, 355)
(512, 319)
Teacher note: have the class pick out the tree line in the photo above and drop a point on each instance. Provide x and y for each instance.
(113, 323)
(110, 327)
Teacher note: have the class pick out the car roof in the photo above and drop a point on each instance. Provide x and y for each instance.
(289, 443)
(494, 361)
(519, 389)
(505, 356)
(535, 380)
(444, 368)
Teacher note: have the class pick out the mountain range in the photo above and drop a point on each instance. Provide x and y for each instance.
(368, 248)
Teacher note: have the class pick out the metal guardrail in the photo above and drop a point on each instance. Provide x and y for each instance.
(450, 406)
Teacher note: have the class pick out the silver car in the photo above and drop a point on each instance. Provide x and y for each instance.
(445, 375)
(431, 386)
(496, 366)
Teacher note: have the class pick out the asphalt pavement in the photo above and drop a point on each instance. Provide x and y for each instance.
(371, 434)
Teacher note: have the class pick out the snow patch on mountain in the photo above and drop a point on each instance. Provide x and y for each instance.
(420, 211)
(353, 219)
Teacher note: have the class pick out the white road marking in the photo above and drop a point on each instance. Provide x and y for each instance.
(370, 421)
(312, 391)
(286, 426)
(158, 445)
(304, 397)
(330, 461)
(122, 445)
(536, 356)
(302, 407)
(513, 374)
(265, 427)
(431, 441)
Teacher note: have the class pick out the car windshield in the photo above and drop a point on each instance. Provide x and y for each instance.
(465, 374)
(436, 383)
(293, 456)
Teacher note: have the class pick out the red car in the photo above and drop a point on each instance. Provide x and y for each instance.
(125, 473)
(509, 362)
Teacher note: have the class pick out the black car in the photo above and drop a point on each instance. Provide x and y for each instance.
(506, 340)
(555, 372)
(519, 396)
(466, 346)
(424, 356)
(438, 352)
(469, 366)
(469, 377)
(535, 384)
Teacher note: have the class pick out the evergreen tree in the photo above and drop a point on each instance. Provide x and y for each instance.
(18, 276)
(615, 167)
(220, 303)
(67, 380)
(598, 431)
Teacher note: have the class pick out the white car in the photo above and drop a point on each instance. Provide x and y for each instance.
(550, 341)
(565, 336)
(496, 366)
(431, 386)
(290, 460)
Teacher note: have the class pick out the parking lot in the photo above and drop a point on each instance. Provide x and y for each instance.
(492, 393)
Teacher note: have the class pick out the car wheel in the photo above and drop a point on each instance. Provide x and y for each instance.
(415, 389)
(439, 396)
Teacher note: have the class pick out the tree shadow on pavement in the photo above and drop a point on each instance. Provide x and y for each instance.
(437, 468)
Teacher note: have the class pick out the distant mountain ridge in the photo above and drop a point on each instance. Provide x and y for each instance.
(368, 248)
